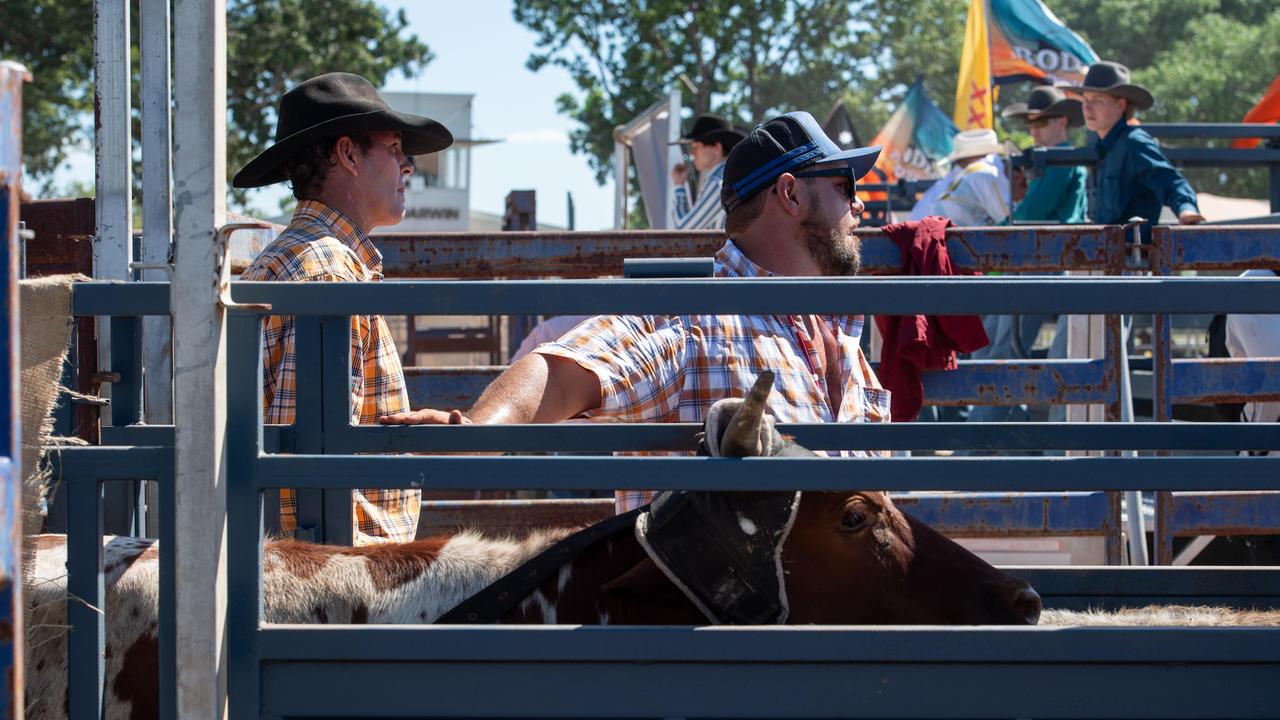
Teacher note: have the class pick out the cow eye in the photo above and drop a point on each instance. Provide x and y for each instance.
(852, 519)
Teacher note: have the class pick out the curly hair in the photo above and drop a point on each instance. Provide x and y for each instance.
(308, 169)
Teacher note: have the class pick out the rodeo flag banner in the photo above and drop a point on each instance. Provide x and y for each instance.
(1028, 42)
(973, 91)
(917, 135)
(1266, 111)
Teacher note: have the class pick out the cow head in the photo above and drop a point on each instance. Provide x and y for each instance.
(842, 558)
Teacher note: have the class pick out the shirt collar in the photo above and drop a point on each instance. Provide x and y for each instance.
(1117, 131)
(343, 229)
(731, 262)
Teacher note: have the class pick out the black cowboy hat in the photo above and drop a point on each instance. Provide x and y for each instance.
(1112, 78)
(710, 129)
(330, 106)
(1047, 101)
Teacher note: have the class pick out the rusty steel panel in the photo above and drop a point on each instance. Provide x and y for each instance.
(62, 243)
(1012, 514)
(1235, 247)
(1224, 513)
(509, 517)
(1225, 380)
(595, 254)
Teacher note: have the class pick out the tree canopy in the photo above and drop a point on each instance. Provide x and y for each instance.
(271, 46)
(1205, 60)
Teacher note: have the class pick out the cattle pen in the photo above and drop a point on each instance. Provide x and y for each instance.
(218, 467)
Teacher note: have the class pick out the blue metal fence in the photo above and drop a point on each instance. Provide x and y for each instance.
(638, 672)
(268, 663)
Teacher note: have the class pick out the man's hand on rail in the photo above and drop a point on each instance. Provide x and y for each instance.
(1190, 217)
(426, 416)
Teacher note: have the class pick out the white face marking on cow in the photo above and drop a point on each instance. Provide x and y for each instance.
(747, 526)
(539, 601)
(603, 619)
(562, 580)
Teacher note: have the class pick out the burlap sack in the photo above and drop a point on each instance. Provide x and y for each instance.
(46, 323)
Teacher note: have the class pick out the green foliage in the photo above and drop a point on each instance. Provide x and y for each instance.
(271, 46)
(743, 61)
(55, 41)
(1216, 74)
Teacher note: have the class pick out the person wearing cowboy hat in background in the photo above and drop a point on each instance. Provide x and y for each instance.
(709, 141)
(1135, 179)
(975, 191)
(789, 193)
(348, 158)
(1058, 193)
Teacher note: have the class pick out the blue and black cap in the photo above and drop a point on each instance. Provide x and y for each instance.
(785, 144)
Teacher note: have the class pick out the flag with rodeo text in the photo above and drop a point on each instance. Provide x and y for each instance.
(1028, 42)
(1266, 111)
(973, 91)
(917, 135)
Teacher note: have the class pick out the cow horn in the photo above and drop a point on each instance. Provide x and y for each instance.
(742, 436)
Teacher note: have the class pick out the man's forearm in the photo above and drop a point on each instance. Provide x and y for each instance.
(537, 389)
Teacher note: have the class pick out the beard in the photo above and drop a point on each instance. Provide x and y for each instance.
(835, 252)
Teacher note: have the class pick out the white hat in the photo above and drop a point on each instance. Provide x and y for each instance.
(975, 143)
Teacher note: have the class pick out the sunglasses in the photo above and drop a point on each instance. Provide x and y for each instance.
(1039, 122)
(844, 172)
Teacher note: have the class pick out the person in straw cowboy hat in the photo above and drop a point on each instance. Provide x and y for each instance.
(1135, 178)
(709, 140)
(1058, 193)
(975, 191)
(347, 157)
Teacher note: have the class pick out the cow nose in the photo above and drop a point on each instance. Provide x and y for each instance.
(1026, 603)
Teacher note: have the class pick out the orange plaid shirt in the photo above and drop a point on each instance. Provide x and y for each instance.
(323, 245)
(672, 368)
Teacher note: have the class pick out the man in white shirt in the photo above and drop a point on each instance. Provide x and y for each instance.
(709, 141)
(976, 192)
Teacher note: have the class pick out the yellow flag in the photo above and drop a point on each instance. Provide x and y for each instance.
(973, 92)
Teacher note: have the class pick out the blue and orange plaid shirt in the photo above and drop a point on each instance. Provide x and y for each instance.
(672, 368)
(323, 245)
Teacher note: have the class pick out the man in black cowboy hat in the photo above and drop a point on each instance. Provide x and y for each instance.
(347, 157)
(1058, 193)
(709, 141)
(1135, 179)
(789, 193)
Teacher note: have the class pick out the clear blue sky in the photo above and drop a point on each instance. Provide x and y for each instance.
(480, 49)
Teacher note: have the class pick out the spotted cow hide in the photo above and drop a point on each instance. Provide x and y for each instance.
(302, 583)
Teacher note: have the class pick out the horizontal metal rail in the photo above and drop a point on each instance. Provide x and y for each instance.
(898, 295)
(591, 437)
(336, 472)
(766, 672)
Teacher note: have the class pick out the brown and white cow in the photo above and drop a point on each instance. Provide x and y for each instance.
(850, 558)
(853, 558)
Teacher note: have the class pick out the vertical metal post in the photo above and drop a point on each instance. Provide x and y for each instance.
(157, 208)
(244, 512)
(122, 505)
(199, 358)
(113, 173)
(12, 76)
(308, 422)
(675, 103)
(86, 605)
(336, 386)
(1273, 174)
(1162, 330)
(620, 183)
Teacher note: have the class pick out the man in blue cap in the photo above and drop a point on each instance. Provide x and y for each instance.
(791, 211)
